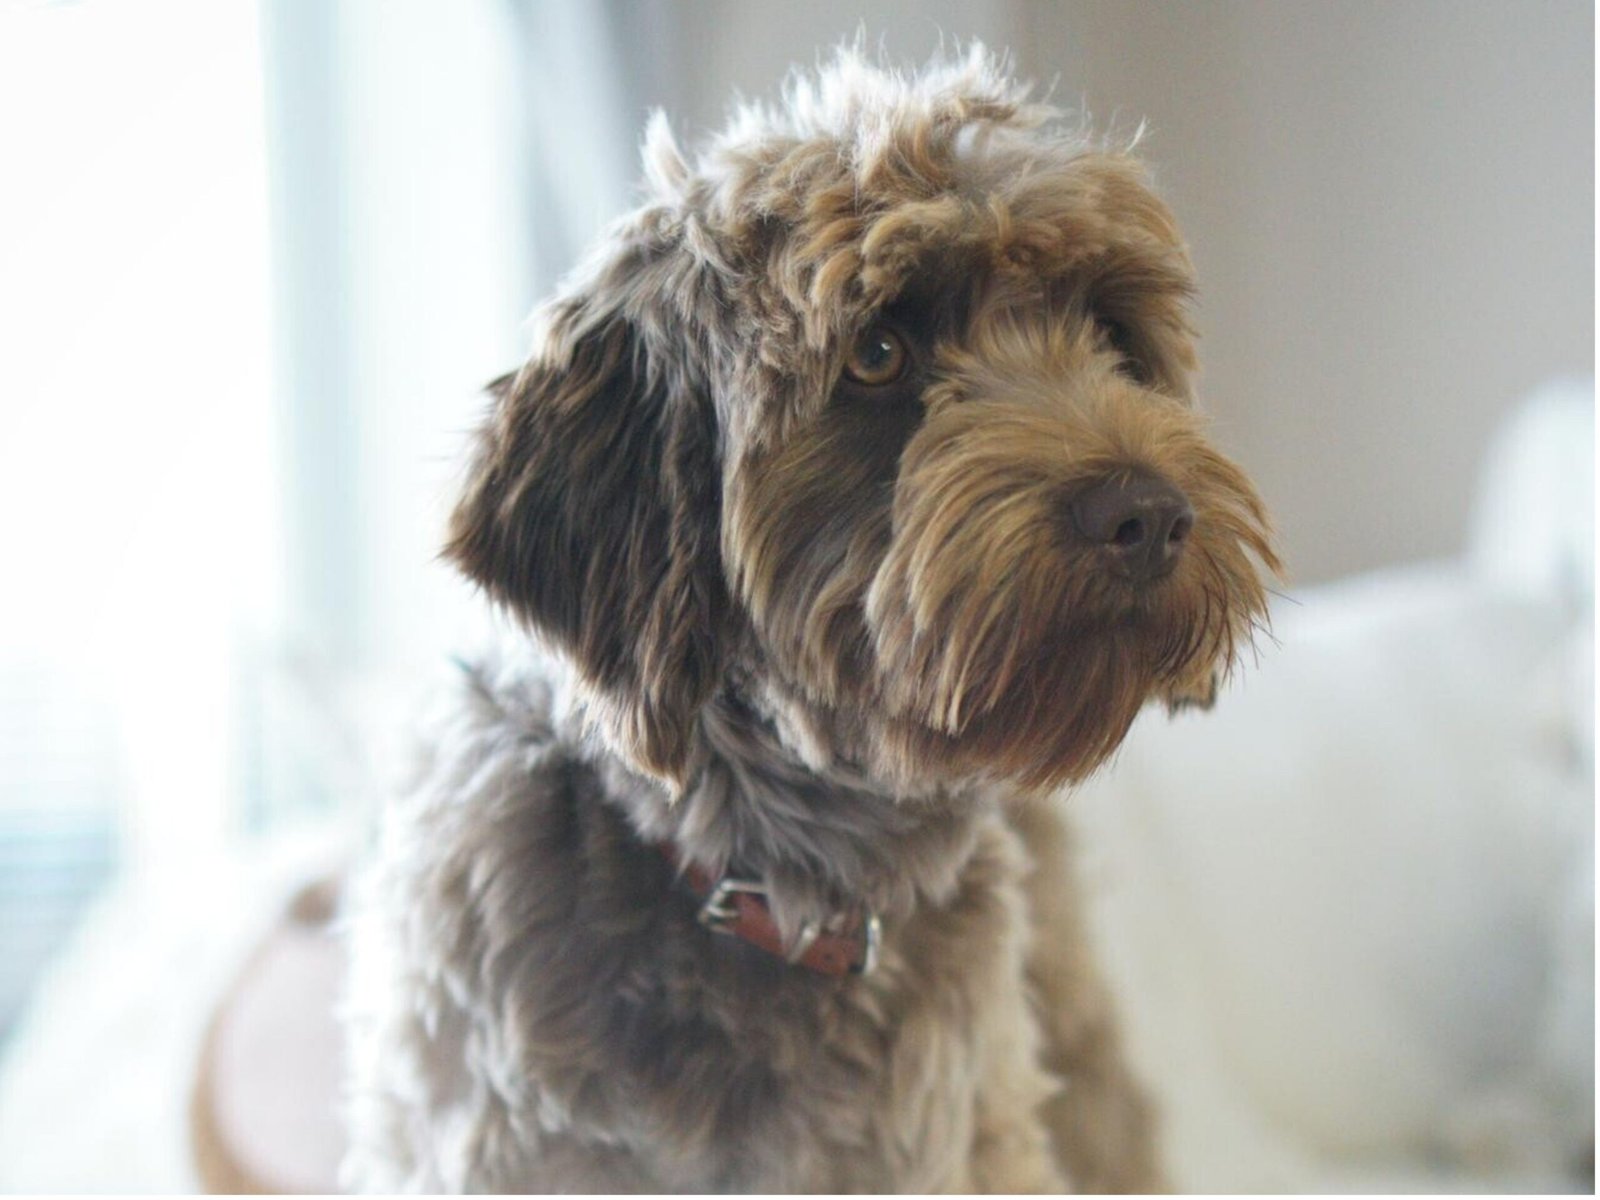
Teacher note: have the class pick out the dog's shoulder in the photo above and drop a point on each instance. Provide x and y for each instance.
(466, 909)
(496, 700)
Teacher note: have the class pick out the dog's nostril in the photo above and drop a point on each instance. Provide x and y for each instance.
(1140, 519)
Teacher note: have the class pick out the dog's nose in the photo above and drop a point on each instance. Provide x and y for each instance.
(1141, 519)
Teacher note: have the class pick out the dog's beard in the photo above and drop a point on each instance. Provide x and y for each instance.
(1001, 641)
(964, 628)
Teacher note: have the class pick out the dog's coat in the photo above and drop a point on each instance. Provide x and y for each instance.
(793, 490)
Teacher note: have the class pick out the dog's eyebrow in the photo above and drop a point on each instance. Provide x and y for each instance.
(930, 309)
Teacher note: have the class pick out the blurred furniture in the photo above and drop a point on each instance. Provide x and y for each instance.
(264, 1111)
(1350, 912)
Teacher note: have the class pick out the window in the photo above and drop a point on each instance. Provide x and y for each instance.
(136, 467)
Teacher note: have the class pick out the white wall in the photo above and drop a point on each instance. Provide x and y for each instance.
(1390, 205)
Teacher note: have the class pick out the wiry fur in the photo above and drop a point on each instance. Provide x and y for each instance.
(839, 638)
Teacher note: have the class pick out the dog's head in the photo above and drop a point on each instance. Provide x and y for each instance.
(883, 409)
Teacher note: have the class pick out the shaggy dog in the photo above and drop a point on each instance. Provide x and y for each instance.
(855, 491)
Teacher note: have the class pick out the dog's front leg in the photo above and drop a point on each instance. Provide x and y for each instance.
(1011, 1145)
(1101, 1121)
(1012, 1148)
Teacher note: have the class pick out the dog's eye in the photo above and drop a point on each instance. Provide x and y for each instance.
(1122, 342)
(879, 357)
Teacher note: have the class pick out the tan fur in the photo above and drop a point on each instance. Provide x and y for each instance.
(839, 637)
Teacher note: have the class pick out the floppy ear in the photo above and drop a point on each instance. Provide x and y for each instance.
(593, 512)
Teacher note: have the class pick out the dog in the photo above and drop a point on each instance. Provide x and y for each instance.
(852, 502)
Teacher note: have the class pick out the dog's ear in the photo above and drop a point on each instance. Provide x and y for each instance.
(592, 511)
(1202, 696)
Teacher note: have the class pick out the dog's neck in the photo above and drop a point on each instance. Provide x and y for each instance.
(821, 839)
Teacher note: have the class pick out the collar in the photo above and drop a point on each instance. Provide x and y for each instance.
(846, 943)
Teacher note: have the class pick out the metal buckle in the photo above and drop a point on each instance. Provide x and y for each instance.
(869, 957)
(717, 914)
(808, 934)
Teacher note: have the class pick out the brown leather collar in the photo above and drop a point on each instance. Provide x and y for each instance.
(845, 944)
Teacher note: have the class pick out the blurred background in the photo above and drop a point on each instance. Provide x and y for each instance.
(257, 257)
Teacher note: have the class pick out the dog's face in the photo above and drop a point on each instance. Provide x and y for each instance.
(883, 408)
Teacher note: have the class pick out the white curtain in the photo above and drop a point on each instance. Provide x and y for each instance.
(257, 260)
(135, 464)
(434, 168)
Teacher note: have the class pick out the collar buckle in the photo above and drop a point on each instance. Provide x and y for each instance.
(719, 913)
(847, 943)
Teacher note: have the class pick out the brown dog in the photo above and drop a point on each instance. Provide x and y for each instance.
(855, 486)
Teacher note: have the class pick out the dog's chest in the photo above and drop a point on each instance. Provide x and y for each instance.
(725, 1069)
(877, 1083)
(563, 1022)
